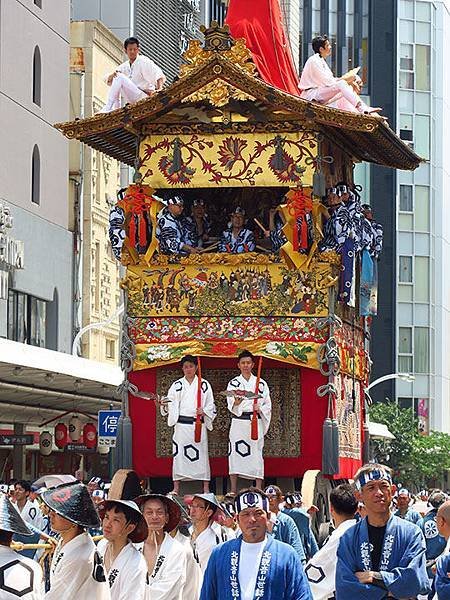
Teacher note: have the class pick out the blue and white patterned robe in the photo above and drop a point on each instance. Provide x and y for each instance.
(285, 530)
(280, 575)
(402, 564)
(303, 522)
(172, 232)
(244, 242)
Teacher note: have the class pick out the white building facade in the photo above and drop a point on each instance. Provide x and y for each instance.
(36, 302)
(423, 224)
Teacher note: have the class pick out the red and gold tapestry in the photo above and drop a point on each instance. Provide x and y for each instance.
(217, 160)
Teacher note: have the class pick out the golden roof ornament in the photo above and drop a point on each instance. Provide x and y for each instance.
(218, 40)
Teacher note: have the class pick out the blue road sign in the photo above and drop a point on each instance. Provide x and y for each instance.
(108, 421)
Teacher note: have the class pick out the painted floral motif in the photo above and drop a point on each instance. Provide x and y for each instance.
(273, 329)
(234, 160)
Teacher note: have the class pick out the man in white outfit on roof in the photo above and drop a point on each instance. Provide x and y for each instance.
(135, 79)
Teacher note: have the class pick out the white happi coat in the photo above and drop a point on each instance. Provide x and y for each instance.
(321, 568)
(32, 514)
(72, 572)
(190, 459)
(169, 573)
(204, 544)
(128, 573)
(246, 455)
(21, 573)
(192, 585)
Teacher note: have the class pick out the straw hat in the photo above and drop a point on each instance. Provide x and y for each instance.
(73, 502)
(173, 508)
(140, 532)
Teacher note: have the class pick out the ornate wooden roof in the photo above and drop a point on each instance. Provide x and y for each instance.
(218, 91)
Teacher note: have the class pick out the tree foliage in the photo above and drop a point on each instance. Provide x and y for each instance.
(417, 460)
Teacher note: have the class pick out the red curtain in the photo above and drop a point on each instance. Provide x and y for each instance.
(312, 414)
(260, 22)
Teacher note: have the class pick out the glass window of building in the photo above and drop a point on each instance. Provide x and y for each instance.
(406, 128)
(423, 67)
(406, 66)
(36, 176)
(405, 274)
(422, 136)
(406, 9)
(26, 319)
(421, 350)
(406, 198)
(37, 74)
(423, 11)
(421, 279)
(405, 349)
(422, 208)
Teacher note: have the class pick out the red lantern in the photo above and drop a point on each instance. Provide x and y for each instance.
(61, 435)
(90, 435)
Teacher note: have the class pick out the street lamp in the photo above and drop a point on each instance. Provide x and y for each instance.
(409, 377)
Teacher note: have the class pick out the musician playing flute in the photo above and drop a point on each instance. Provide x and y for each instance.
(191, 411)
(249, 423)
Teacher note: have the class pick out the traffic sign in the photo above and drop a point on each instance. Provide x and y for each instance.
(108, 421)
(16, 440)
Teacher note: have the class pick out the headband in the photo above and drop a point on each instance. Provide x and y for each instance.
(251, 500)
(177, 200)
(272, 491)
(374, 475)
(293, 498)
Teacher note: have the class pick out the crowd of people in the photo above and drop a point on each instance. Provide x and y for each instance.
(256, 544)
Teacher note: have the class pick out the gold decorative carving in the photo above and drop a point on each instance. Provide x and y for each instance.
(283, 437)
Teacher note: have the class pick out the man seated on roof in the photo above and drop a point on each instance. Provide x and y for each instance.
(173, 231)
(135, 79)
(237, 239)
(318, 84)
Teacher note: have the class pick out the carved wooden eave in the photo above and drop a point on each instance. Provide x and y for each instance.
(363, 138)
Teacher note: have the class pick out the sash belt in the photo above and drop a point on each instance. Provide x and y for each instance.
(247, 416)
(188, 420)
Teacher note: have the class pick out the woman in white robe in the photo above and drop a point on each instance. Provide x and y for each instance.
(246, 455)
(190, 458)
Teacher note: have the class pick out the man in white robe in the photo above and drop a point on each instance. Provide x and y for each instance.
(77, 569)
(21, 577)
(205, 535)
(321, 568)
(317, 82)
(165, 557)
(126, 569)
(30, 512)
(245, 454)
(135, 79)
(190, 458)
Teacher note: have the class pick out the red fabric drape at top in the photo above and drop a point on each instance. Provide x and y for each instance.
(260, 22)
(313, 412)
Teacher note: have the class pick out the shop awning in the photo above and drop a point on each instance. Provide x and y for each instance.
(36, 384)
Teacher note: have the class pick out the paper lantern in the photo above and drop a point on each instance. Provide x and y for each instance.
(61, 435)
(74, 428)
(45, 443)
(90, 435)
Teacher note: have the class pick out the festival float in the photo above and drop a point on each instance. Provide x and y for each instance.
(222, 133)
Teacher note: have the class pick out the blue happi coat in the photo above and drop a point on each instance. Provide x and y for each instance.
(303, 523)
(402, 564)
(442, 581)
(280, 575)
(435, 543)
(285, 530)
(410, 515)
